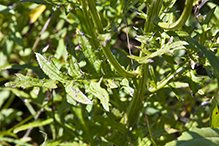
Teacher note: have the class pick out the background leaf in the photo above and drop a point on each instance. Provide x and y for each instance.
(33, 125)
(198, 136)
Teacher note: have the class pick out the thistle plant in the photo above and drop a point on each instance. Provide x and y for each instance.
(96, 94)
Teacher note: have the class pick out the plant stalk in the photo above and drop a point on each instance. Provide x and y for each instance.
(139, 93)
(106, 49)
(182, 19)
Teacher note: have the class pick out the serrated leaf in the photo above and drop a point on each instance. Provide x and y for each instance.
(50, 69)
(100, 93)
(26, 81)
(76, 94)
(33, 125)
(88, 52)
(198, 137)
(170, 47)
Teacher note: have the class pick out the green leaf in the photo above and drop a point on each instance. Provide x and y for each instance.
(50, 69)
(208, 54)
(11, 140)
(126, 87)
(76, 94)
(74, 68)
(26, 81)
(53, 2)
(198, 137)
(88, 52)
(100, 93)
(209, 16)
(5, 9)
(110, 84)
(214, 115)
(170, 47)
(33, 125)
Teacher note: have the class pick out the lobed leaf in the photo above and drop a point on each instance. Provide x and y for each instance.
(100, 93)
(170, 47)
(50, 69)
(26, 81)
(76, 94)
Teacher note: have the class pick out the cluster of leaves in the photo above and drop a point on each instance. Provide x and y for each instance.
(76, 96)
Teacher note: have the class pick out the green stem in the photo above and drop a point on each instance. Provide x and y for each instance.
(106, 49)
(139, 94)
(89, 25)
(116, 64)
(134, 107)
(95, 16)
(182, 20)
(165, 81)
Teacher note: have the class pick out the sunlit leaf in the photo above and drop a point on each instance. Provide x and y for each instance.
(169, 48)
(76, 94)
(33, 125)
(126, 86)
(26, 81)
(14, 141)
(50, 69)
(35, 13)
(5, 9)
(110, 84)
(100, 93)
(214, 115)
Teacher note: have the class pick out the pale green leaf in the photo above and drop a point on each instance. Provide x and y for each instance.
(169, 48)
(76, 94)
(50, 69)
(5, 9)
(198, 137)
(100, 93)
(26, 81)
(110, 84)
(33, 125)
(14, 141)
(126, 87)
